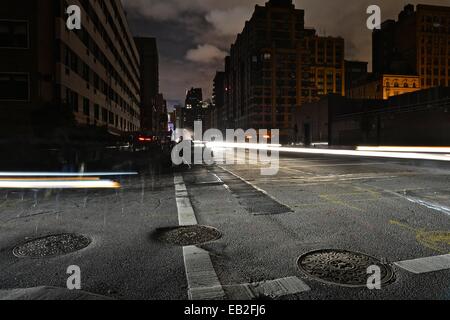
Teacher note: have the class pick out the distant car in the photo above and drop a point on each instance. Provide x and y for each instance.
(144, 141)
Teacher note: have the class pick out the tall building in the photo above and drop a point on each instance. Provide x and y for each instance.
(160, 115)
(92, 73)
(276, 65)
(218, 101)
(149, 69)
(354, 71)
(418, 43)
(193, 108)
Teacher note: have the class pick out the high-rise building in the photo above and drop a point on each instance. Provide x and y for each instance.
(354, 71)
(418, 43)
(160, 115)
(92, 73)
(193, 108)
(149, 69)
(218, 101)
(275, 65)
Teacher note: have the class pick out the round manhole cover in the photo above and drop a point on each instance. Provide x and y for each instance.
(342, 267)
(188, 235)
(52, 246)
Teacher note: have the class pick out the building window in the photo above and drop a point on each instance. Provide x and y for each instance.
(72, 99)
(14, 34)
(104, 115)
(97, 112)
(86, 107)
(111, 118)
(14, 86)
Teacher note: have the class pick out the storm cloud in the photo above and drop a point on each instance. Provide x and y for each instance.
(194, 35)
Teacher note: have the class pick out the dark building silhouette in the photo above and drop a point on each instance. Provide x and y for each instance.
(193, 108)
(149, 69)
(276, 65)
(355, 71)
(413, 119)
(418, 43)
(92, 73)
(218, 102)
(160, 115)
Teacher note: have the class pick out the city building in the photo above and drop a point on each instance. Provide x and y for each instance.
(178, 117)
(384, 86)
(160, 115)
(419, 118)
(355, 71)
(218, 113)
(418, 43)
(193, 108)
(149, 85)
(93, 71)
(275, 66)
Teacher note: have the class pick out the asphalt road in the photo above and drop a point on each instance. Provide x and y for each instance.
(393, 210)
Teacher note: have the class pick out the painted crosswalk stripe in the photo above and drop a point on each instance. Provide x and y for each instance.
(186, 215)
(426, 265)
(273, 289)
(201, 277)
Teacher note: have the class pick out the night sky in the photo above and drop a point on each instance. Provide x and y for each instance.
(195, 35)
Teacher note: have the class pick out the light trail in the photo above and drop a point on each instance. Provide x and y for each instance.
(253, 146)
(62, 174)
(51, 184)
(406, 149)
(336, 152)
(52, 179)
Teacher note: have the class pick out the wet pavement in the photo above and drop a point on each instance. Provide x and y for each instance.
(390, 210)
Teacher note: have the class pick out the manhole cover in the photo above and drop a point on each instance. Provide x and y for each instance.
(188, 235)
(51, 246)
(342, 267)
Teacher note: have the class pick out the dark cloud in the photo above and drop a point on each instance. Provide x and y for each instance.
(194, 35)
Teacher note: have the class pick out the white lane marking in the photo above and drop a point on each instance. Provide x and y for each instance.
(344, 165)
(427, 204)
(186, 215)
(202, 279)
(430, 205)
(426, 265)
(267, 289)
(321, 179)
(257, 188)
(281, 287)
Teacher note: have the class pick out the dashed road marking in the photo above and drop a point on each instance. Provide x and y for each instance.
(426, 265)
(201, 277)
(267, 289)
(186, 215)
(427, 204)
(430, 205)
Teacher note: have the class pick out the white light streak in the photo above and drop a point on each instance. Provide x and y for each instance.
(69, 184)
(406, 149)
(62, 174)
(355, 153)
